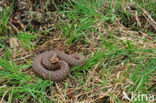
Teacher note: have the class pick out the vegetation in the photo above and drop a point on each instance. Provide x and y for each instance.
(118, 38)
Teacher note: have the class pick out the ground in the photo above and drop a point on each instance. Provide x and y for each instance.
(117, 37)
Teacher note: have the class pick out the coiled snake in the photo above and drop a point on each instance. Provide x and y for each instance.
(42, 64)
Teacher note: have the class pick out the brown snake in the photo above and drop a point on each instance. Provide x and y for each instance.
(42, 64)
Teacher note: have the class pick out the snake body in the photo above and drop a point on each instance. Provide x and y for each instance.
(42, 64)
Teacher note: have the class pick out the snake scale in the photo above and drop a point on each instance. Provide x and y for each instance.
(42, 64)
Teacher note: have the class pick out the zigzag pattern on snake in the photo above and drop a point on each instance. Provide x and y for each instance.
(42, 64)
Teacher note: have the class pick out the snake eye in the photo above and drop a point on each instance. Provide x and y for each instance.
(77, 58)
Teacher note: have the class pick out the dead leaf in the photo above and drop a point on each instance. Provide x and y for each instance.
(13, 43)
(70, 93)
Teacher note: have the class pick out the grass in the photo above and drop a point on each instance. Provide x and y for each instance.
(118, 38)
(5, 17)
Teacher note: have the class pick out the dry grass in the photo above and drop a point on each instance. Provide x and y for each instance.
(120, 48)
